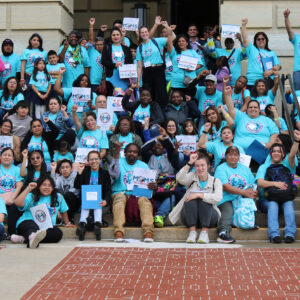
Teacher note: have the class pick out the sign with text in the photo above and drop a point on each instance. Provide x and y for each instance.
(114, 103)
(229, 30)
(188, 62)
(82, 153)
(131, 24)
(80, 97)
(128, 71)
(188, 142)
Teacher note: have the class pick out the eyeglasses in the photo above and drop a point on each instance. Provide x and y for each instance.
(261, 39)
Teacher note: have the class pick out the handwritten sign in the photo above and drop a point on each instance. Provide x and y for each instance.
(82, 153)
(188, 62)
(230, 30)
(131, 24)
(188, 142)
(104, 118)
(80, 97)
(128, 71)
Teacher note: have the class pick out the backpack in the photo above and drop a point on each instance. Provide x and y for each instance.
(280, 173)
(244, 213)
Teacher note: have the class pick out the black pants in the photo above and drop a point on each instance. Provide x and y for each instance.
(73, 202)
(54, 235)
(199, 213)
(154, 79)
(13, 214)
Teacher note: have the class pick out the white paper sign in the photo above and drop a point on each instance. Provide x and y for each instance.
(91, 196)
(188, 142)
(188, 62)
(6, 141)
(80, 97)
(104, 118)
(41, 216)
(82, 153)
(131, 24)
(298, 98)
(114, 104)
(230, 30)
(245, 159)
(141, 177)
(128, 71)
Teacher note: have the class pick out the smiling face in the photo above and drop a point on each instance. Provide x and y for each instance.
(240, 83)
(189, 127)
(201, 167)
(53, 59)
(7, 157)
(36, 159)
(116, 36)
(132, 154)
(171, 128)
(192, 31)
(182, 44)
(6, 128)
(261, 88)
(144, 34)
(145, 97)
(12, 85)
(176, 99)
(94, 161)
(277, 155)
(253, 109)
(46, 188)
(54, 106)
(90, 123)
(37, 128)
(261, 42)
(158, 149)
(211, 115)
(210, 87)
(101, 102)
(73, 40)
(65, 169)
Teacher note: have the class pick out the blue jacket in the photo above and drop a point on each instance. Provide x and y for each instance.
(61, 122)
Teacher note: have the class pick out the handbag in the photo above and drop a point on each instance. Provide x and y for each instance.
(268, 80)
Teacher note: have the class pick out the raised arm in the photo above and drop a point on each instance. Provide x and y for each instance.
(20, 200)
(244, 33)
(169, 37)
(91, 30)
(203, 138)
(75, 118)
(226, 115)
(57, 86)
(228, 100)
(287, 22)
(154, 27)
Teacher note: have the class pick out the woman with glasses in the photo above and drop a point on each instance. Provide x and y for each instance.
(262, 62)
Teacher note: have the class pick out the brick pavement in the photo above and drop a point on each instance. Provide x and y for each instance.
(180, 273)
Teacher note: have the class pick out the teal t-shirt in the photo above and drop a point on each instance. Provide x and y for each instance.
(247, 129)
(41, 83)
(94, 178)
(96, 71)
(39, 144)
(57, 156)
(54, 68)
(29, 202)
(93, 139)
(265, 100)
(124, 182)
(238, 177)
(12, 64)
(237, 99)
(9, 178)
(296, 43)
(30, 55)
(3, 208)
(36, 175)
(141, 113)
(205, 101)
(150, 53)
(10, 102)
(202, 184)
(216, 134)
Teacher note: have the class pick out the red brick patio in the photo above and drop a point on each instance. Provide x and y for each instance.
(139, 273)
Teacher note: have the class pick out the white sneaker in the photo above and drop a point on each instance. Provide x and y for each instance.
(17, 239)
(192, 237)
(203, 237)
(35, 238)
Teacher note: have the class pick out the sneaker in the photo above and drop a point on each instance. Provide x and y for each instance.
(289, 239)
(276, 240)
(80, 231)
(203, 237)
(148, 237)
(97, 230)
(35, 238)
(224, 237)
(119, 237)
(192, 237)
(17, 239)
(159, 221)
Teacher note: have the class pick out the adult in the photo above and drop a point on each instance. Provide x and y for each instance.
(240, 94)
(33, 51)
(39, 139)
(121, 170)
(194, 40)
(280, 185)
(172, 129)
(10, 95)
(61, 119)
(295, 40)
(151, 64)
(6, 128)
(271, 112)
(35, 194)
(88, 134)
(91, 175)
(198, 207)
(262, 62)
(75, 58)
(11, 60)
(251, 125)
(234, 55)
(10, 186)
(236, 179)
(114, 55)
(20, 119)
(95, 48)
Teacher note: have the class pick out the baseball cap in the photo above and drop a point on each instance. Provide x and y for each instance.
(211, 78)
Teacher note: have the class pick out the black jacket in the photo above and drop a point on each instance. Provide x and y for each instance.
(103, 179)
(107, 61)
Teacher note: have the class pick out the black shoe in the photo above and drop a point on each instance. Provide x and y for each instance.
(80, 231)
(97, 230)
(225, 238)
(288, 239)
(276, 240)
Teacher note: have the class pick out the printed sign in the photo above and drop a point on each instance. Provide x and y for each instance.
(104, 118)
(41, 216)
(141, 177)
(230, 30)
(82, 153)
(188, 62)
(80, 97)
(91, 196)
(128, 71)
(114, 103)
(188, 142)
(245, 159)
(131, 24)
(6, 141)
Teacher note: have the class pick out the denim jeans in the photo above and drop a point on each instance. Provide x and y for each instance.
(164, 206)
(296, 80)
(2, 231)
(289, 218)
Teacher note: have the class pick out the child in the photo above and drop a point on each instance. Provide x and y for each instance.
(222, 72)
(53, 66)
(189, 128)
(3, 213)
(64, 183)
(63, 152)
(40, 83)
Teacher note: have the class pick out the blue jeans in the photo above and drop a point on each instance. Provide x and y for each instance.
(164, 206)
(289, 218)
(296, 79)
(2, 231)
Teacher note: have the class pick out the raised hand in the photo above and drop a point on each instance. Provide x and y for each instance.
(118, 146)
(63, 108)
(103, 28)
(193, 158)
(173, 27)
(81, 168)
(157, 20)
(286, 13)
(162, 130)
(25, 154)
(46, 119)
(92, 21)
(244, 22)
(31, 186)
(62, 71)
(207, 126)
(53, 166)
(74, 108)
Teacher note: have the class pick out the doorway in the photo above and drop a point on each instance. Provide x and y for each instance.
(201, 13)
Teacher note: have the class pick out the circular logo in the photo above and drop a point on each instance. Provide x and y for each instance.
(98, 61)
(231, 62)
(237, 181)
(148, 51)
(7, 183)
(105, 117)
(254, 127)
(7, 70)
(32, 57)
(40, 215)
(89, 142)
(8, 104)
(207, 103)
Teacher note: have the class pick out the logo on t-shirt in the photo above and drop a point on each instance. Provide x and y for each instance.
(128, 178)
(8, 104)
(32, 57)
(208, 103)
(254, 127)
(231, 62)
(42, 80)
(89, 142)
(118, 56)
(147, 51)
(237, 181)
(7, 183)
(98, 61)
(34, 146)
(7, 70)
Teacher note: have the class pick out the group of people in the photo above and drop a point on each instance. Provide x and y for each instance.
(205, 185)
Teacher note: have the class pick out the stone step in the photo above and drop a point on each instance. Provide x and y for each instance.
(261, 219)
(173, 233)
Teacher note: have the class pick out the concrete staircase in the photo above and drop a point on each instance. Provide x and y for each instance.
(179, 233)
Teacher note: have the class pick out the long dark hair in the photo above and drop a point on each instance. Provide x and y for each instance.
(140, 40)
(40, 39)
(254, 90)
(194, 132)
(224, 62)
(29, 135)
(176, 125)
(175, 43)
(31, 169)
(219, 121)
(76, 82)
(37, 194)
(265, 36)
(35, 69)
(6, 93)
